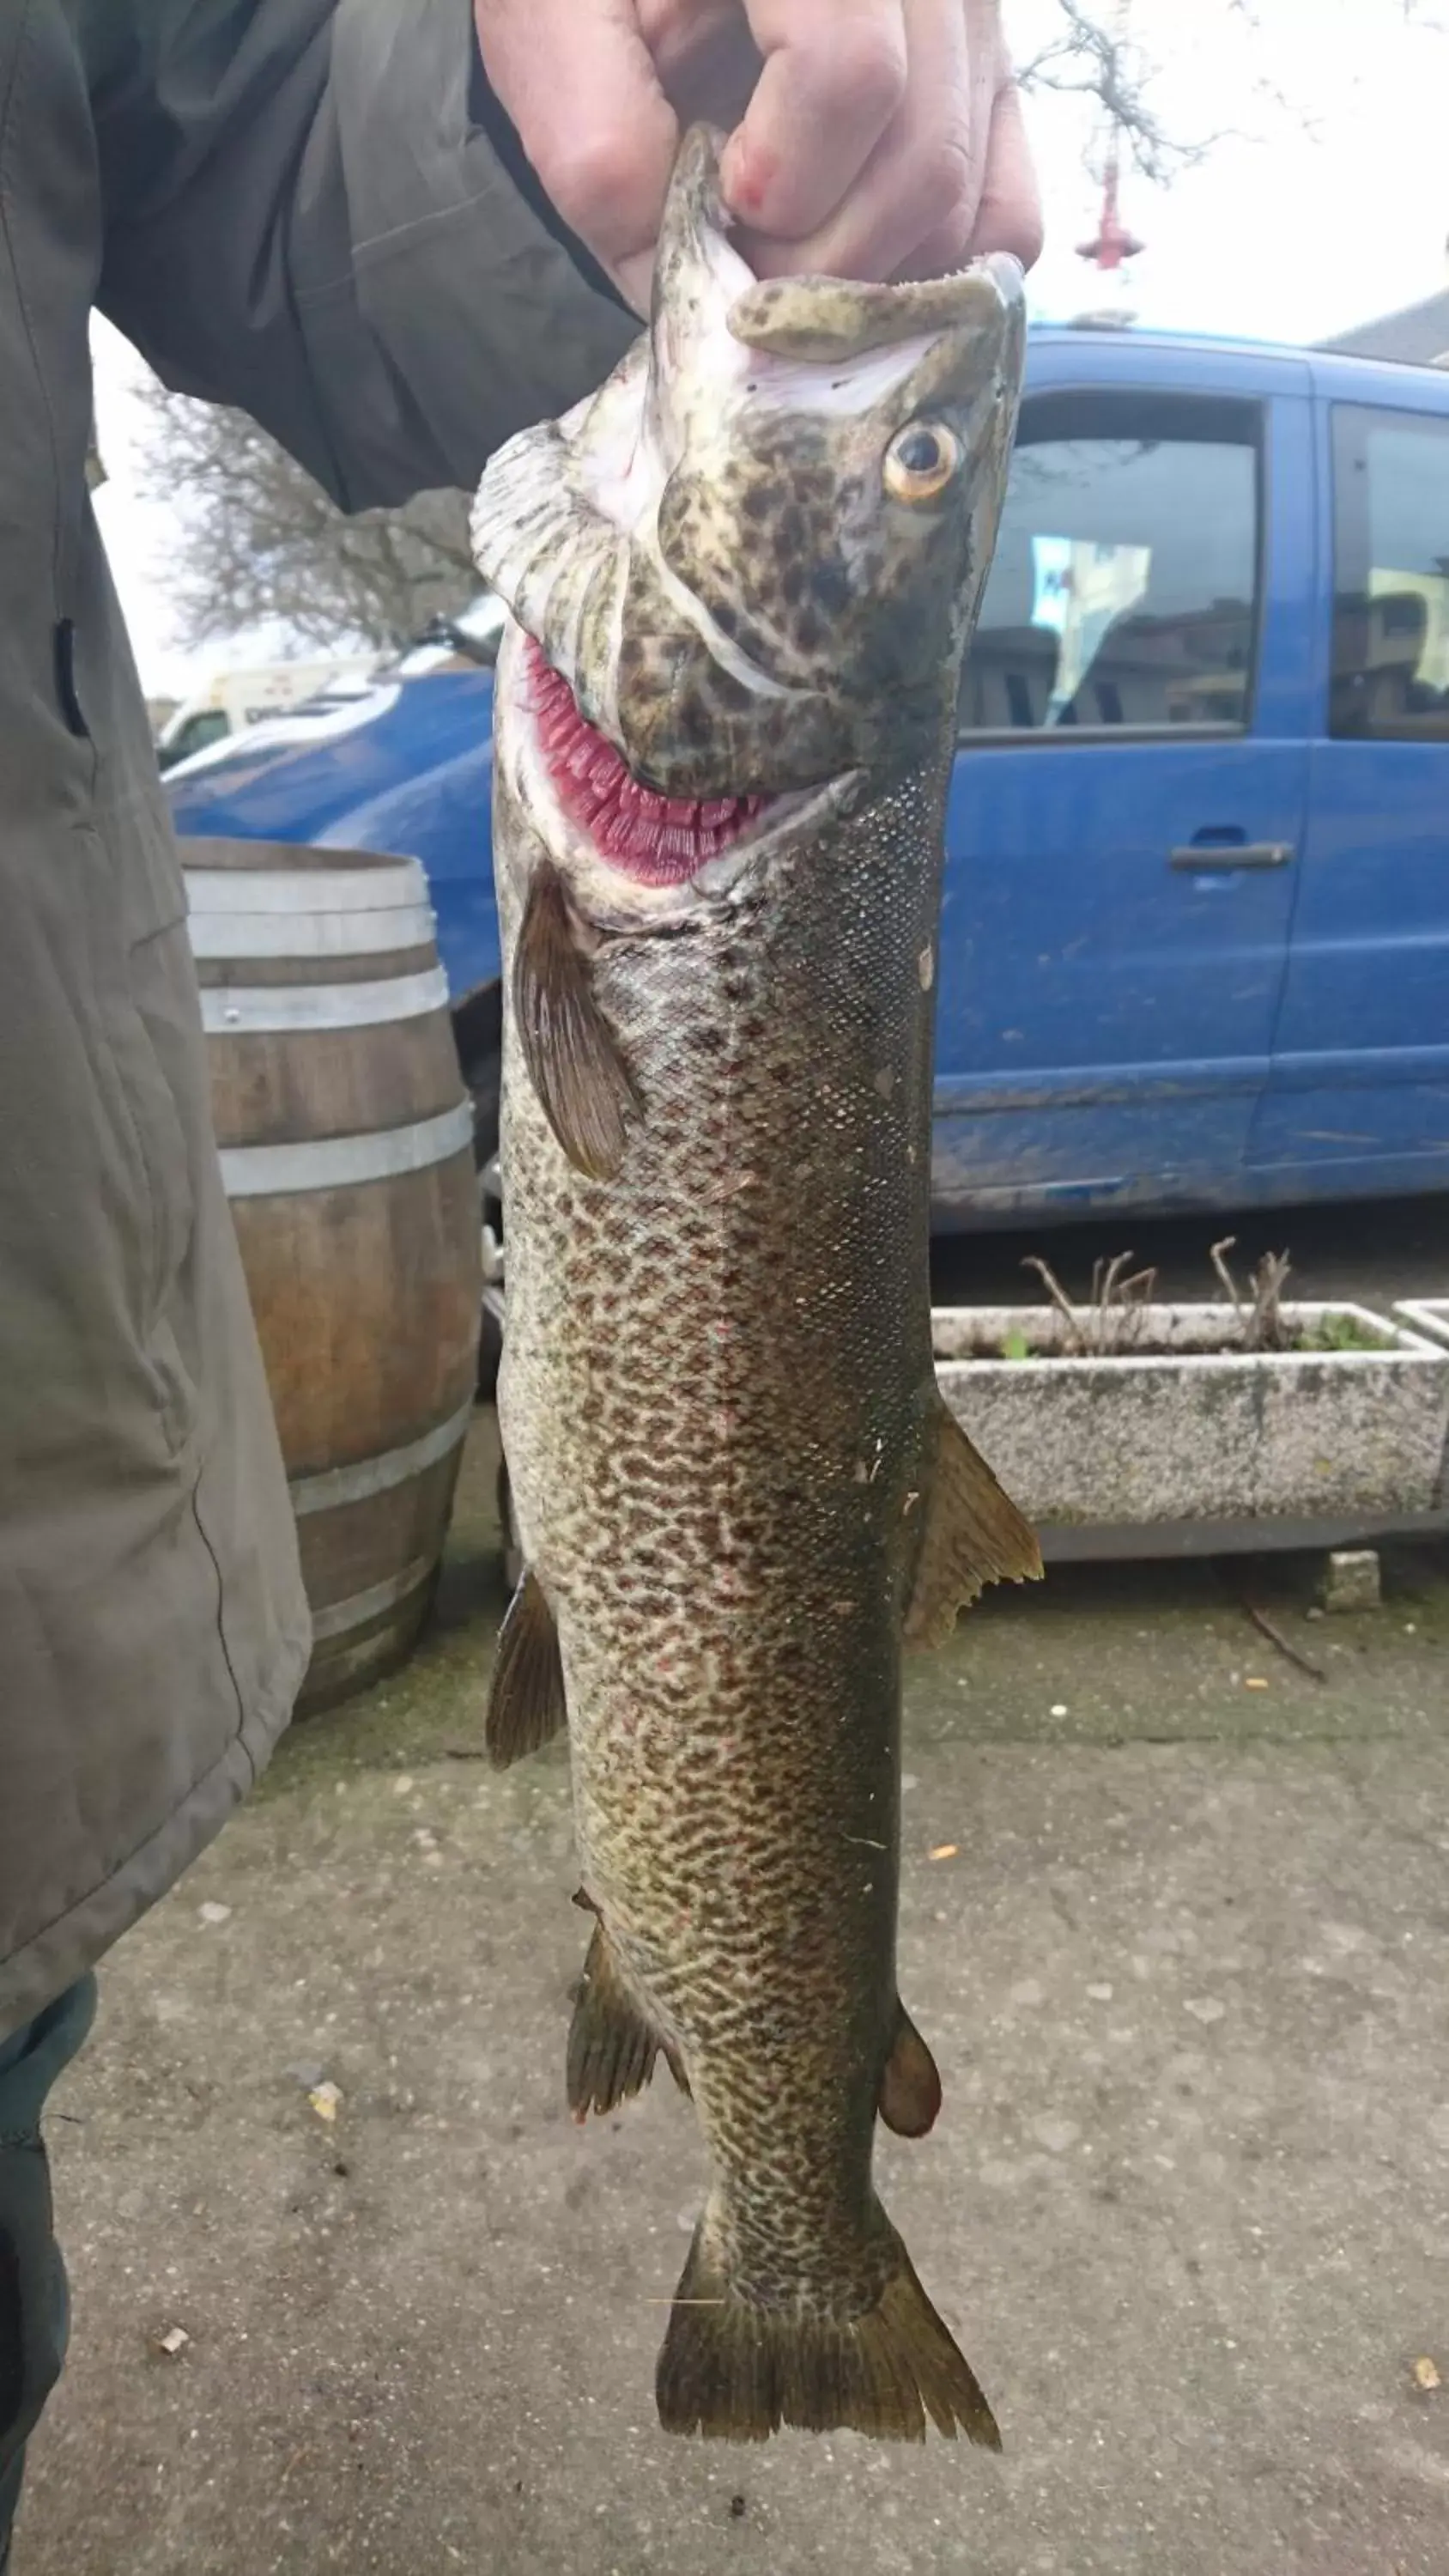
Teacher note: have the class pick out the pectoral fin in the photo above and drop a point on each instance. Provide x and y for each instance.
(573, 1057)
(526, 1694)
(973, 1535)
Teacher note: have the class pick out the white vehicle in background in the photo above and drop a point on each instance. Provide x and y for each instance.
(240, 698)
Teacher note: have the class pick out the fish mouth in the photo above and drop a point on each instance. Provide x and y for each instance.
(632, 850)
(567, 525)
(656, 840)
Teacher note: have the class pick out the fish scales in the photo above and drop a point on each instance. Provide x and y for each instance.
(722, 1364)
(733, 1478)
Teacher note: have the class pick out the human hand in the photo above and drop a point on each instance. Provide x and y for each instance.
(869, 138)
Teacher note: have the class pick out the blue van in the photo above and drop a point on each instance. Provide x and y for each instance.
(1195, 944)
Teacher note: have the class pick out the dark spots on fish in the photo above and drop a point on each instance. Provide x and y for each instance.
(809, 633)
(830, 586)
(635, 1464)
(732, 694)
(793, 532)
(792, 584)
(708, 1041)
(692, 717)
(726, 618)
(631, 653)
(755, 502)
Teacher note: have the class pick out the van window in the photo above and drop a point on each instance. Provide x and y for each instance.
(1391, 576)
(1124, 590)
(194, 735)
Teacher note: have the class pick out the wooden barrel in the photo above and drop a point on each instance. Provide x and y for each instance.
(346, 1143)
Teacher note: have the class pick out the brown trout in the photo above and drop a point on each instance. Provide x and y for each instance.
(743, 576)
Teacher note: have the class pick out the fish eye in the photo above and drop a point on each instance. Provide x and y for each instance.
(921, 460)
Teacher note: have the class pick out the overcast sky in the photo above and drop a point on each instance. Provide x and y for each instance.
(1325, 199)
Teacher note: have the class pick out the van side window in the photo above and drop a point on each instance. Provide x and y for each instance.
(1124, 593)
(1390, 577)
(202, 729)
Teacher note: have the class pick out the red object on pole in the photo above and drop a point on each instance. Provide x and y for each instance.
(1113, 243)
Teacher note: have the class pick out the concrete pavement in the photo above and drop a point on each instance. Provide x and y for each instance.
(1183, 1959)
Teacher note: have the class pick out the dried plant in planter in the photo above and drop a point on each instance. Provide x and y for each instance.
(1260, 1314)
(1121, 1318)
(1119, 1314)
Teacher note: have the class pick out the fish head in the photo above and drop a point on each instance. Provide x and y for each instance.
(745, 569)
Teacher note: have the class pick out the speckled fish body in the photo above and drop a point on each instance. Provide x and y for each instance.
(743, 578)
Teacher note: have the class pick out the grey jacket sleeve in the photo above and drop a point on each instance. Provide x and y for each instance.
(305, 218)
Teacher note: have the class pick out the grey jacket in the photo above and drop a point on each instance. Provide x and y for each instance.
(287, 205)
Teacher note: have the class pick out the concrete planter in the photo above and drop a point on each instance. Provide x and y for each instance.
(1200, 1435)
(1429, 1316)
(1426, 1315)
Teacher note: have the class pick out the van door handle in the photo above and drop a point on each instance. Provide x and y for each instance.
(1199, 858)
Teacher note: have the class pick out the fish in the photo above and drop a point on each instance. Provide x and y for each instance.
(740, 579)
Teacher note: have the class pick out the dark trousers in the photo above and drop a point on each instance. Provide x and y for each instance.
(34, 2306)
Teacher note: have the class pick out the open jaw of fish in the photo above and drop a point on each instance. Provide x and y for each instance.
(742, 576)
(699, 557)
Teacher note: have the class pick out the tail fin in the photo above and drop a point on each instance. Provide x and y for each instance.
(737, 2371)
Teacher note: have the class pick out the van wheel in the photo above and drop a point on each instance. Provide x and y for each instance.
(490, 1349)
(484, 1080)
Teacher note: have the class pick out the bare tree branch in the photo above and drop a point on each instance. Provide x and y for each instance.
(1093, 55)
(257, 539)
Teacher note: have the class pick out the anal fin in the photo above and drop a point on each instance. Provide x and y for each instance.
(973, 1534)
(612, 2042)
(526, 1693)
(910, 2088)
